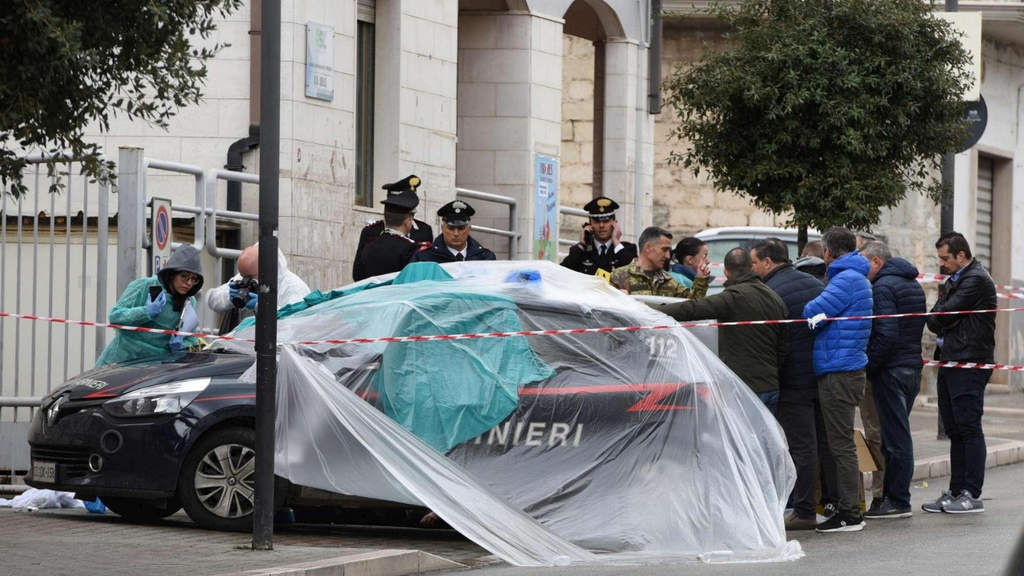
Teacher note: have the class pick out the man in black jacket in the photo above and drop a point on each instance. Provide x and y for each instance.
(600, 248)
(756, 352)
(799, 412)
(393, 248)
(963, 338)
(401, 198)
(454, 244)
(894, 370)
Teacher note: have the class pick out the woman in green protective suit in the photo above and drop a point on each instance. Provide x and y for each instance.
(167, 301)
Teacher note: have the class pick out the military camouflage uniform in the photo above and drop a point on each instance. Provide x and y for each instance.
(657, 283)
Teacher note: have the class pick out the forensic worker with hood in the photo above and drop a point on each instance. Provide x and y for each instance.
(235, 301)
(165, 301)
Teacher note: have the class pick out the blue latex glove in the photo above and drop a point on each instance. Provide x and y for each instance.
(176, 342)
(252, 301)
(232, 292)
(153, 307)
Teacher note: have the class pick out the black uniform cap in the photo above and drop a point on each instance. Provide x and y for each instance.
(601, 208)
(402, 194)
(456, 213)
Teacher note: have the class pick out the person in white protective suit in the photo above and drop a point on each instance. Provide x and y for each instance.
(235, 294)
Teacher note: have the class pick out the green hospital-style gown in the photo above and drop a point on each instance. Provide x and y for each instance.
(130, 310)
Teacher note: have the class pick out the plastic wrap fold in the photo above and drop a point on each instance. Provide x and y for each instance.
(637, 443)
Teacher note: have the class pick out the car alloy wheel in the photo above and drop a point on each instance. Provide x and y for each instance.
(225, 480)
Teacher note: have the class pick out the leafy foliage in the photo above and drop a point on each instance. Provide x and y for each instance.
(830, 108)
(68, 63)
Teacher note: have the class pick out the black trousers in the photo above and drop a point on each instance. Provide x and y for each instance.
(961, 405)
(799, 413)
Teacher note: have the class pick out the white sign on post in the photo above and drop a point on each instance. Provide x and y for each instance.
(968, 24)
(161, 235)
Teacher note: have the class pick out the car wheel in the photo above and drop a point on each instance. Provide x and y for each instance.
(138, 510)
(217, 486)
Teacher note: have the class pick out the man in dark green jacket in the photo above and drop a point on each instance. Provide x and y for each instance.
(754, 353)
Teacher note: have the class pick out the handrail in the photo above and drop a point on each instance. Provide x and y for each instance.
(513, 212)
(20, 401)
(210, 208)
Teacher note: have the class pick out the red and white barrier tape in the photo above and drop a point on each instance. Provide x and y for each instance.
(1016, 292)
(482, 335)
(974, 365)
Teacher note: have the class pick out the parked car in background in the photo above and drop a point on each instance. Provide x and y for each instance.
(721, 240)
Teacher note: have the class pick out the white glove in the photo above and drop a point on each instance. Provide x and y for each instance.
(814, 320)
(189, 319)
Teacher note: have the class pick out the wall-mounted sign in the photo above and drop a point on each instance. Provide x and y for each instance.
(320, 61)
(545, 235)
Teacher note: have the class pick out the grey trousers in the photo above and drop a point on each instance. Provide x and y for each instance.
(839, 394)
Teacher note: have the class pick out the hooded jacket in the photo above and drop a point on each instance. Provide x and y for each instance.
(130, 310)
(754, 353)
(896, 342)
(968, 337)
(841, 346)
(796, 289)
(290, 288)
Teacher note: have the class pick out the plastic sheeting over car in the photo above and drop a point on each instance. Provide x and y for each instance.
(637, 443)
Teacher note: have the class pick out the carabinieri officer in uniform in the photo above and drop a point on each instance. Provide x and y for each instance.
(421, 232)
(455, 244)
(600, 247)
(392, 249)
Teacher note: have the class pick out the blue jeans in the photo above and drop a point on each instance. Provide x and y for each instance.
(770, 400)
(894, 390)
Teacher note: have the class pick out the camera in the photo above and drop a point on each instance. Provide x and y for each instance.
(245, 286)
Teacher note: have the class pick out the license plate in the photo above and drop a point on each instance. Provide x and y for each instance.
(44, 471)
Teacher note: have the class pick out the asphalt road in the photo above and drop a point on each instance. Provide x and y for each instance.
(925, 545)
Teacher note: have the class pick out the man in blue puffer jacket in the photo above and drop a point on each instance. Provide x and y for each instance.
(894, 370)
(839, 360)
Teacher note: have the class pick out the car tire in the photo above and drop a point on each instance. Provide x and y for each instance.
(217, 485)
(139, 510)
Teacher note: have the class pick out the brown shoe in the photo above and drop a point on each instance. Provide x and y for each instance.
(794, 522)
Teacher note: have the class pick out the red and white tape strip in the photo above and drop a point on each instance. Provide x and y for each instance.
(483, 335)
(974, 365)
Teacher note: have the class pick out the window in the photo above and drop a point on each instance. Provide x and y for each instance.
(364, 113)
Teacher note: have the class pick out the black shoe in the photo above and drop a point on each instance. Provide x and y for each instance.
(841, 523)
(886, 509)
(875, 503)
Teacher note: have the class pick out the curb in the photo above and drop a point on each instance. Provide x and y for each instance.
(1002, 454)
(377, 563)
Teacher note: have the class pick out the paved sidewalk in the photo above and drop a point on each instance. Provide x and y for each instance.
(1003, 423)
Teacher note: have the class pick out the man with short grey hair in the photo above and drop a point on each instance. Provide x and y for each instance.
(648, 273)
(894, 371)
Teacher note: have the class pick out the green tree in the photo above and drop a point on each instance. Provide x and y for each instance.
(69, 63)
(830, 109)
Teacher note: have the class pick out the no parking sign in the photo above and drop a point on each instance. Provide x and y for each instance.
(161, 238)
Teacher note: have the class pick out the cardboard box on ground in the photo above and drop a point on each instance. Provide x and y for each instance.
(865, 463)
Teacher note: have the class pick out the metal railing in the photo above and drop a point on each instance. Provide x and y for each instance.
(569, 242)
(50, 360)
(512, 233)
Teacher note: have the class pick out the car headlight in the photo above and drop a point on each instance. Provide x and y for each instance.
(168, 398)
